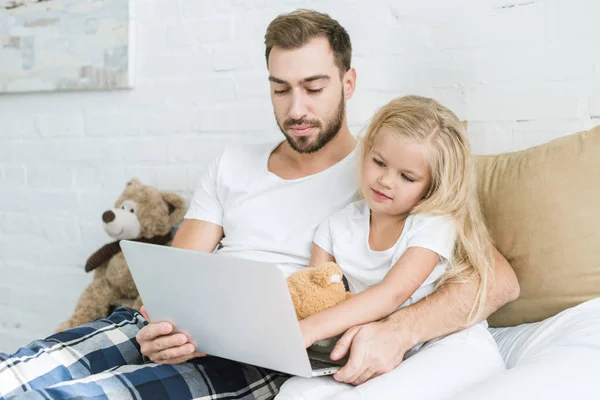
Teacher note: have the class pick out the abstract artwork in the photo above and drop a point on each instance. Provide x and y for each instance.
(60, 45)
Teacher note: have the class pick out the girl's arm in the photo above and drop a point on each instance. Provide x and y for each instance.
(319, 256)
(377, 302)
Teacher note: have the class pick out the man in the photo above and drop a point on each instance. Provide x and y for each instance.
(261, 202)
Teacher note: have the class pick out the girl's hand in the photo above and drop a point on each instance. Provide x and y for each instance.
(308, 333)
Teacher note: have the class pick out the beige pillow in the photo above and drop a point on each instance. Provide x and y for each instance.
(542, 206)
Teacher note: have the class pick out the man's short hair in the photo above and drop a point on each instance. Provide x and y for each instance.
(296, 29)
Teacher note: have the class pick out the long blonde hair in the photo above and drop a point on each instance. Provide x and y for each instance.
(453, 189)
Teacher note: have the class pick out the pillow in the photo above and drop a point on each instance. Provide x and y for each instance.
(542, 206)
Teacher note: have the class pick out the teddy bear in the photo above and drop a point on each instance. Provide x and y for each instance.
(141, 213)
(315, 289)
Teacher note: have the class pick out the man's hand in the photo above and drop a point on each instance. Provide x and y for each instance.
(159, 344)
(375, 349)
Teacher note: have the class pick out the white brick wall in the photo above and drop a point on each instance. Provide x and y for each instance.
(522, 72)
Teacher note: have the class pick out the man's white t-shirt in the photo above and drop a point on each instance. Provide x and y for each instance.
(345, 235)
(264, 217)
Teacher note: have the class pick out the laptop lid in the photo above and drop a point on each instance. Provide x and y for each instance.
(229, 307)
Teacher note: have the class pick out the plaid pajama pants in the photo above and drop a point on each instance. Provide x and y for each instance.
(102, 360)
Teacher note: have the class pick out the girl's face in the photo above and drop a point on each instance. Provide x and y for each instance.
(395, 175)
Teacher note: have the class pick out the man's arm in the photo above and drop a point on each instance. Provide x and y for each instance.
(194, 234)
(379, 347)
(446, 310)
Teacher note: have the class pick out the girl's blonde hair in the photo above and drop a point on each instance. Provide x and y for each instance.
(453, 189)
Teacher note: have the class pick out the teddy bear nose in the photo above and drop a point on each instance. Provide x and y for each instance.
(108, 216)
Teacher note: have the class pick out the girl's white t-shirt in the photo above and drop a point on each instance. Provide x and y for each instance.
(264, 217)
(345, 235)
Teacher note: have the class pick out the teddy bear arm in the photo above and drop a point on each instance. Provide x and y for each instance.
(120, 279)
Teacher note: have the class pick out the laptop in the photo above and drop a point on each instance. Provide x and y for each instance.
(229, 307)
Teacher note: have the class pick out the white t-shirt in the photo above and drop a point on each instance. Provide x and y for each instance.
(264, 217)
(345, 235)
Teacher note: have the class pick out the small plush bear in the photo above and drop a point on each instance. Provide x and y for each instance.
(142, 213)
(317, 288)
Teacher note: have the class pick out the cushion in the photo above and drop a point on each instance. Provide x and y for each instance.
(542, 206)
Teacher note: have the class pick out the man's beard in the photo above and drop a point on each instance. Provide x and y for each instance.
(302, 144)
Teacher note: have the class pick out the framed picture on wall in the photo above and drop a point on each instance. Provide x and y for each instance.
(62, 45)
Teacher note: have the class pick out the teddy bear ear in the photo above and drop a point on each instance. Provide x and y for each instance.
(176, 206)
(171, 208)
(326, 274)
(134, 182)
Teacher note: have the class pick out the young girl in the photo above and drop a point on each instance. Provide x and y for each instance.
(419, 223)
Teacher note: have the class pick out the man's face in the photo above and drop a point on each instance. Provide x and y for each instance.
(307, 94)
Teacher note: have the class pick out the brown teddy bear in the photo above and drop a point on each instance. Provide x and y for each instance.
(317, 288)
(141, 213)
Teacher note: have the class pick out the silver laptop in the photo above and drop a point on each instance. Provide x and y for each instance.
(229, 307)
